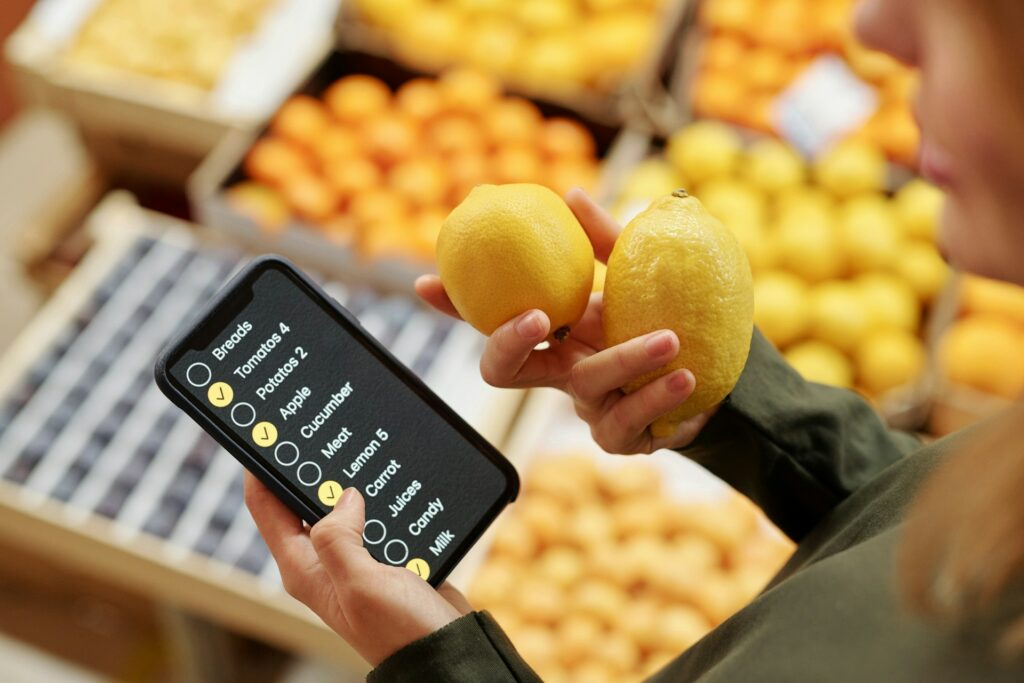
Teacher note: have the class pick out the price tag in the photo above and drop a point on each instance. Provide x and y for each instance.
(823, 105)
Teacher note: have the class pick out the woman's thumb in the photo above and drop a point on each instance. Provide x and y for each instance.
(338, 537)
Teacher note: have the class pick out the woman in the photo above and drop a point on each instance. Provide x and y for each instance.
(873, 593)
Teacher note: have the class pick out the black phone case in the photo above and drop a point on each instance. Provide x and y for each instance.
(268, 477)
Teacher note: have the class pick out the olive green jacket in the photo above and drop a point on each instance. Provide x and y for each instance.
(827, 471)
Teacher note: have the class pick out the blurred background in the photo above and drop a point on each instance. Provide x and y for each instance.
(149, 147)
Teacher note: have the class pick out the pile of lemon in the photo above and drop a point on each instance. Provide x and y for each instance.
(984, 348)
(379, 171)
(843, 272)
(597, 574)
(755, 49)
(544, 45)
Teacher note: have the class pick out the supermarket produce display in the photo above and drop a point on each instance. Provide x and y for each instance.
(753, 50)
(598, 573)
(375, 168)
(543, 46)
(374, 141)
(845, 270)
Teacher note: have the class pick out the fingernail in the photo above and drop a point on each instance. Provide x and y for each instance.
(680, 381)
(347, 496)
(659, 344)
(530, 327)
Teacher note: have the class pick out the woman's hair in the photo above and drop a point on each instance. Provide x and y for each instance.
(962, 557)
(963, 550)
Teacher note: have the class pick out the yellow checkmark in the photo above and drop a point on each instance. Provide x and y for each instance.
(329, 493)
(220, 394)
(264, 434)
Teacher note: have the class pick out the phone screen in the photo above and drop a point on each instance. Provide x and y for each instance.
(300, 388)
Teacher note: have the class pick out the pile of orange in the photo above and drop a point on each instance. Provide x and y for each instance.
(755, 49)
(539, 45)
(380, 170)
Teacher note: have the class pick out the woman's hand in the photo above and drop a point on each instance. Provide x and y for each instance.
(376, 608)
(582, 366)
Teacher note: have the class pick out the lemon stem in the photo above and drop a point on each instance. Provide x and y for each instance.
(681, 194)
(561, 333)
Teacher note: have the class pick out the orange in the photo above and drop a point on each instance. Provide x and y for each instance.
(730, 15)
(466, 170)
(832, 21)
(422, 180)
(767, 70)
(454, 133)
(468, 90)
(420, 99)
(512, 120)
(759, 113)
(898, 133)
(719, 96)
(302, 119)
(564, 174)
(262, 203)
(425, 228)
(517, 164)
(358, 98)
(390, 137)
(379, 205)
(562, 137)
(311, 197)
(274, 161)
(382, 240)
(785, 25)
(351, 177)
(724, 53)
(336, 143)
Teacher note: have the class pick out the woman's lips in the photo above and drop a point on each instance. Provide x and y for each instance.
(936, 165)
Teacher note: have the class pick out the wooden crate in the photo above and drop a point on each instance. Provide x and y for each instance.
(155, 128)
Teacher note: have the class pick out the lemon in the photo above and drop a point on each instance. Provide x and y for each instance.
(547, 15)
(704, 150)
(922, 267)
(981, 295)
(614, 43)
(889, 359)
(984, 352)
(733, 201)
(838, 315)
(890, 302)
(650, 178)
(552, 61)
(821, 363)
(507, 249)
(781, 307)
(600, 270)
(851, 168)
(805, 199)
(808, 246)
(494, 45)
(869, 233)
(919, 205)
(774, 166)
(676, 267)
(757, 243)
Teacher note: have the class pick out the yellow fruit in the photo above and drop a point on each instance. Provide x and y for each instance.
(261, 203)
(467, 91)
(889, 359)
(923, 268)
(890, 302)
(546, 15)
(808, 246)
(919, 205)
(494, 45)
(357, 99)
(838, 315)
(733, 201)
(781, 307)
(507, 249)
(993, 297)
(805, 199)
(774, 166)
(553, 61)
(984, 352)
(821, 363)
(851, 168)
(433, 37)
(616, 42)
(649, 179)
(704, 150)
(869, 233)
(757, 243)
(600, 270)
(676, 267)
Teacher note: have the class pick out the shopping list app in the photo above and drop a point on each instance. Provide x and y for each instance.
(319, 407)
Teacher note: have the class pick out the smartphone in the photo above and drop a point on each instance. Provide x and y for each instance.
(286, 380)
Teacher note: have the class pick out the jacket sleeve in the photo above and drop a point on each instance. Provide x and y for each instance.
(472, 648)
(795, 448)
